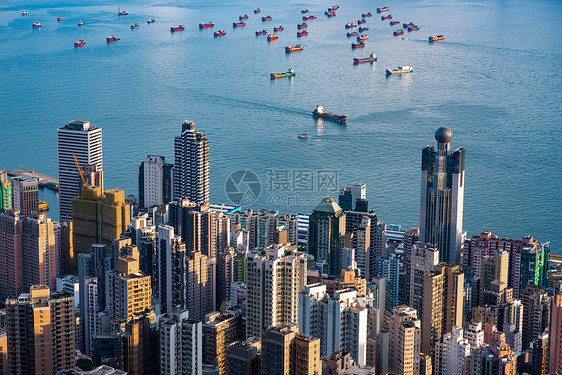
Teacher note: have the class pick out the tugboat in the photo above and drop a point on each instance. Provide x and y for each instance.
(298, 47)
(177, 28)
(219, 33)
(290, 73)
(305, 11)
(303, 25)
(413, 28)
(261, 32)
(363, 28)
(319, 112)
(302, 136)
(306, 18)
(358, 45)
(152, 20)
(383, 9)
(358, 60)
(362, 37)
(436, 38)
(122, 13)
(272, 37)
(80, 23)
(238, 24)
(266, 18)
(135, 26)
(244, 17)
(392, 23)
(79, 43)
(365, 15)
(354, 33)
(257, 10)
(36, 25)
(350, 25)
(389, 17)
(112, 38)
(361, 21)
(24, 13)
(398, 32)
(278, 28)
(206, 25)
(59, 18)
(406, 25)
(400, 70)
(302, 33)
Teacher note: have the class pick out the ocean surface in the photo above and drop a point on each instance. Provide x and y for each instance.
(495, 81)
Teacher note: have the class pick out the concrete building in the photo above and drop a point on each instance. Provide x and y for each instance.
(536, 313)
(225, 275)
(474, 334)
(200, 285)
(555, 332)
(219, 331)
(170, 251)
(389, 268)
(451, 354)
(191, 165)
(181, 344)
(154, 181)
(404, 341)
(89, 318)
(244, 357)
(81, 140)
(25, 193)
(442, 197)
(422, 260)
(5, 192)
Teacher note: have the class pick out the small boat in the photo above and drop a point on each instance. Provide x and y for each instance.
(79, 43)
(392, 23)
(266, 18)
(361, 21)
(152, 20)
(389, 17)
(362, 37)
(413, 28)
(358, 60)
(406, 25)
(36, 25)
(400, 70)
(80, 23)
(303, 25)
(122, 12)
(354, 33)
(398, 32)
(305, 10)
(302, 33)
(272, 37)
(319, 112)
(278, 28)
(112, 38)
(219, 33)
(59, 18)
(364, 15)
(306, 18)
(383, 9)
(358, 45)
(135, 26)
(363, 28)
(257, 10)
(238, 24)
(244, 17)
(330, 14)
(290, 73)
(436, 38)
(298, 47)
(24, 13)
(350, 25)
(261, 32)
(206, 25)
(302, 136)
(177, 28)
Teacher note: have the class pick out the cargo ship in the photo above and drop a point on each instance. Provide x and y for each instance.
(257, 10)
(112, 38)
(244, 17)
(59, 18)
(319, 112)
(135, 26)
(330, 14)
(306, 18)
(400, 70)
(177, 28)
(363, 28)
(305, 10)
(238, 24)
(206, 25)
(122, 12)
(389, 17)
(36, 25)
(354, 33)
(406, 25)
(152, 20)
(303, 25)
(266, 18)
(362, 37)
(261, 32)
(79, 43)
(290, 73)
(302, 33)
(413, 28)
(219, 33)
(350, 25)
(298, 47)
(365, 15)
(24, 13)
(302, 136)
(80, 23)
(272, 37)
(392, 23)
(358, 60)
(398, 32)
(436, 38)
(278, 28)
(361, 21)
(358, 45)
(383, 9)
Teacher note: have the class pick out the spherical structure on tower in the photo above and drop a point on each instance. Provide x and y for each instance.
(444, 135)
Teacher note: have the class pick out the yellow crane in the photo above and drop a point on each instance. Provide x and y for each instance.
(80, 171)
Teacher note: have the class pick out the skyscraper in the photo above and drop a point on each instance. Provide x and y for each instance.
(181, 344)
(5, 192)
(81, 139)
(25, 192)
(405, 341)
(154, 181)
(536, 313)
(442, 197)
(555, 333)
(191, 169)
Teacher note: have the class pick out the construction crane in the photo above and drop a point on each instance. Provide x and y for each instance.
(80, 171)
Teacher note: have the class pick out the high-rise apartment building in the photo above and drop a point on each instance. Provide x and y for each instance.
(191, 165)
(244, 357)
(89, 297)
(219, 331)
(225, 275)
(494, 267)
(555, 332)
(154, 181)
(404, 341)
(5, 192)
(81, 140)
(389, 268)
(200, 285)
(536, 313)
(181, 344)
(422, 260)
(442, 197)
(11, 274)
(25, 193)
(196, 225)
(451, 354)
(169, 268)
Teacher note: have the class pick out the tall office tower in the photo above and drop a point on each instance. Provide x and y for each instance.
(225, 275)
(128, 290)
(244, 357)
(25, 192)
(40, 329)
(200, 285)
(195, 224)
(89, 294)
(154, 181)
(191, 167)
(349, 195)
(181, 344)
(389, 268)
(442, 197)
(274, 281)
(422, 260)
(219, 331)
(5, 192)
(451, 355)
(38, 252)
(169, 268)
(536, 313)
(82, 140)
(326, 226)
(442, 304)
(555, 332)
(404, 341)
(11, 275)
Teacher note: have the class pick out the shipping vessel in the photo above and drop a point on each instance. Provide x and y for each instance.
(206, 25)
(24, 13)
(36, 25)
(358, 60)
(303, 25)
(306, 18)
(238, 24)
(261, 32)
(272, 37)
(354, 33)
(358, 45)
(302, 33)
(319, 112)
(112, 38)
(79, 43)
(80, 23)
(362, 37)
(400, 70)
(398, 32)
(383, 9)
(59, 18)
(413, 28)
(389, 17)
(122, 12)
(278, 28)
(361, 21)
(135, 26)
(290, 73)
(436, 38)
(266, 18)
(392, 23)
(219, 33)
(305, 10)
(350, 25)
(406, 25)
(177, 28)
(365, 15)
(363, 28)
(330, 14)
(152, 20)
(244, 17)
(298, 47)
(302, 136)
(257, 10)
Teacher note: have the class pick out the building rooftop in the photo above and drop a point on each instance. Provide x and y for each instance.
(328, 205)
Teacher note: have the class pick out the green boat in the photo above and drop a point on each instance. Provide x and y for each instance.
(289, 73)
